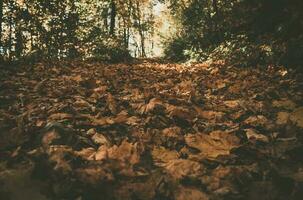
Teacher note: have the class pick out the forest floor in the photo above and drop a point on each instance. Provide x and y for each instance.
(80, 131)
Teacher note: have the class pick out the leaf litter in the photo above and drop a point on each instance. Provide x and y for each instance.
(150, 131)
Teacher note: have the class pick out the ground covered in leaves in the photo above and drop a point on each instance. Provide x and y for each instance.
(80, 131)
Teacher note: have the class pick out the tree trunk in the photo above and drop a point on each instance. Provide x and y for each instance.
(218, 34)
(10, 41)
(1, 19)
(215, 6)
(141, 31)
(143, 54)
(105, 18)
(113, 13)
(18, 43)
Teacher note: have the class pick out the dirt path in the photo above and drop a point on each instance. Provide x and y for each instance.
(151, 131)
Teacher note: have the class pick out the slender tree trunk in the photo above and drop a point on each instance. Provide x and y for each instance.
(125, 37)
(215, 6)
(105, 18)
(32, 42)
(143, 54)
(141, 31)
(18, 43)
(1, 19)
(216, 18)
(10, 43)
(125, 34)
(113, 13)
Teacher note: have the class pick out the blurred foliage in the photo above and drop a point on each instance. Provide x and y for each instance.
(106, 30)
(242, 32)
(174, 49)
(110, 50)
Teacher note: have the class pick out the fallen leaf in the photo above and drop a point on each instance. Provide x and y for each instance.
(86, 154)
(187, 193)
(40, 87)
(215, 144)
(94, 175)
(111, 103)
(151, 106)
(101, 153)
(57, 155)
(282, 118)
(126, 152)
(182, 168)
(49, 137)
(253, 135)
(124, 157)
(180, 113)
(122, 117)
(101, 89)
(172, 133)
(285, 104)
(258, 120)
(89, 83)
(100, 139)
(210, 115)
(80, 103)
(232, 104)
(297, 117)
(60, 116)
(162, 156)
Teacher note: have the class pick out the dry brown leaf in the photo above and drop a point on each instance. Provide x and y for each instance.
(151, 106)
(284, 103)
(101, 153)
(181, 168)
(57, 155)
(80, 103)
(122, 117)
(123, 158)
(181, 113)
(49, 137)
(210, 115)
(100, 90)
(126, 152)
(282, 118)
(60, 116)
(93, 175)
(40, 123)
(215, 144)
(187, 193)
(162, 156)
(253, 135)
(111, 104)
(89, 83)
(100, 139)
(40, 87)
(86, 154)
(102, 122)
(297, 117)
(185, 87)
(220, 84)
(133, 121)
(258, 120)
(77, 78)
(232, 104)
(235, 88)
(142, 190)
(172, 132)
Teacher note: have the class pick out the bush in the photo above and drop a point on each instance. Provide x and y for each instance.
(243, 33)
(110, 50)
(175, 49)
